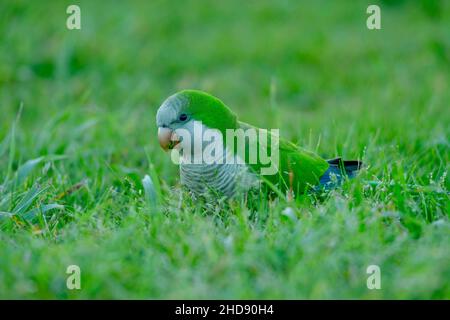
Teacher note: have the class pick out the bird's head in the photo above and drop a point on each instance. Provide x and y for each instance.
(183, 109)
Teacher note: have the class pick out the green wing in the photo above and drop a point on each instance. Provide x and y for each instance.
(298, 168)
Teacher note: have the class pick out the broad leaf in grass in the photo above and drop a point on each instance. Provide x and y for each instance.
(5, 215)
(150, 192)
(28, 199)
(24, 170)
(29, 215)
(5, 199)
(153, 178)
(4, 144)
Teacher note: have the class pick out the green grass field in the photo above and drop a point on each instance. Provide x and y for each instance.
(78, 135)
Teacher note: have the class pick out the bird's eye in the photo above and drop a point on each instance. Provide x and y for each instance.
(183, 117)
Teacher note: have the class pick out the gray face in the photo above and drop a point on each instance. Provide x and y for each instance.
(171, 114)
(171, 117)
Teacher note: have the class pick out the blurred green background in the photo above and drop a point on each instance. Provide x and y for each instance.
(82, 104)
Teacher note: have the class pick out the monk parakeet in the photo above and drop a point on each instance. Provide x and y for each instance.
(204, 132)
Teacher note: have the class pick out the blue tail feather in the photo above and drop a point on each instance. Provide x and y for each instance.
(337, 172)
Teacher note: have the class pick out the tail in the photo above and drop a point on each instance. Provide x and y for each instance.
(337, 171)
(348, 167)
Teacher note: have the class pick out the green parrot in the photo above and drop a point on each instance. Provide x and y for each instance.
(187, 117)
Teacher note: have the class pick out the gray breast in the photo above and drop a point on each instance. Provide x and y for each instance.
(218, 179)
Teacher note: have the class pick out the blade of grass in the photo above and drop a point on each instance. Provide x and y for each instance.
(29, 215)
(12, 143)
(28, 199)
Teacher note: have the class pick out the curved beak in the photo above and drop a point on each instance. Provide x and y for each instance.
(167, 138)
(164, 137)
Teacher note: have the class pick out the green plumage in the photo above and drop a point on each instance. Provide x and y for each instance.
(297, 169)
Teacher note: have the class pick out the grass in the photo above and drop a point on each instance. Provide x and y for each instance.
(78, 136)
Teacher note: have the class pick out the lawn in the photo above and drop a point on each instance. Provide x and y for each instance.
(78, 136)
